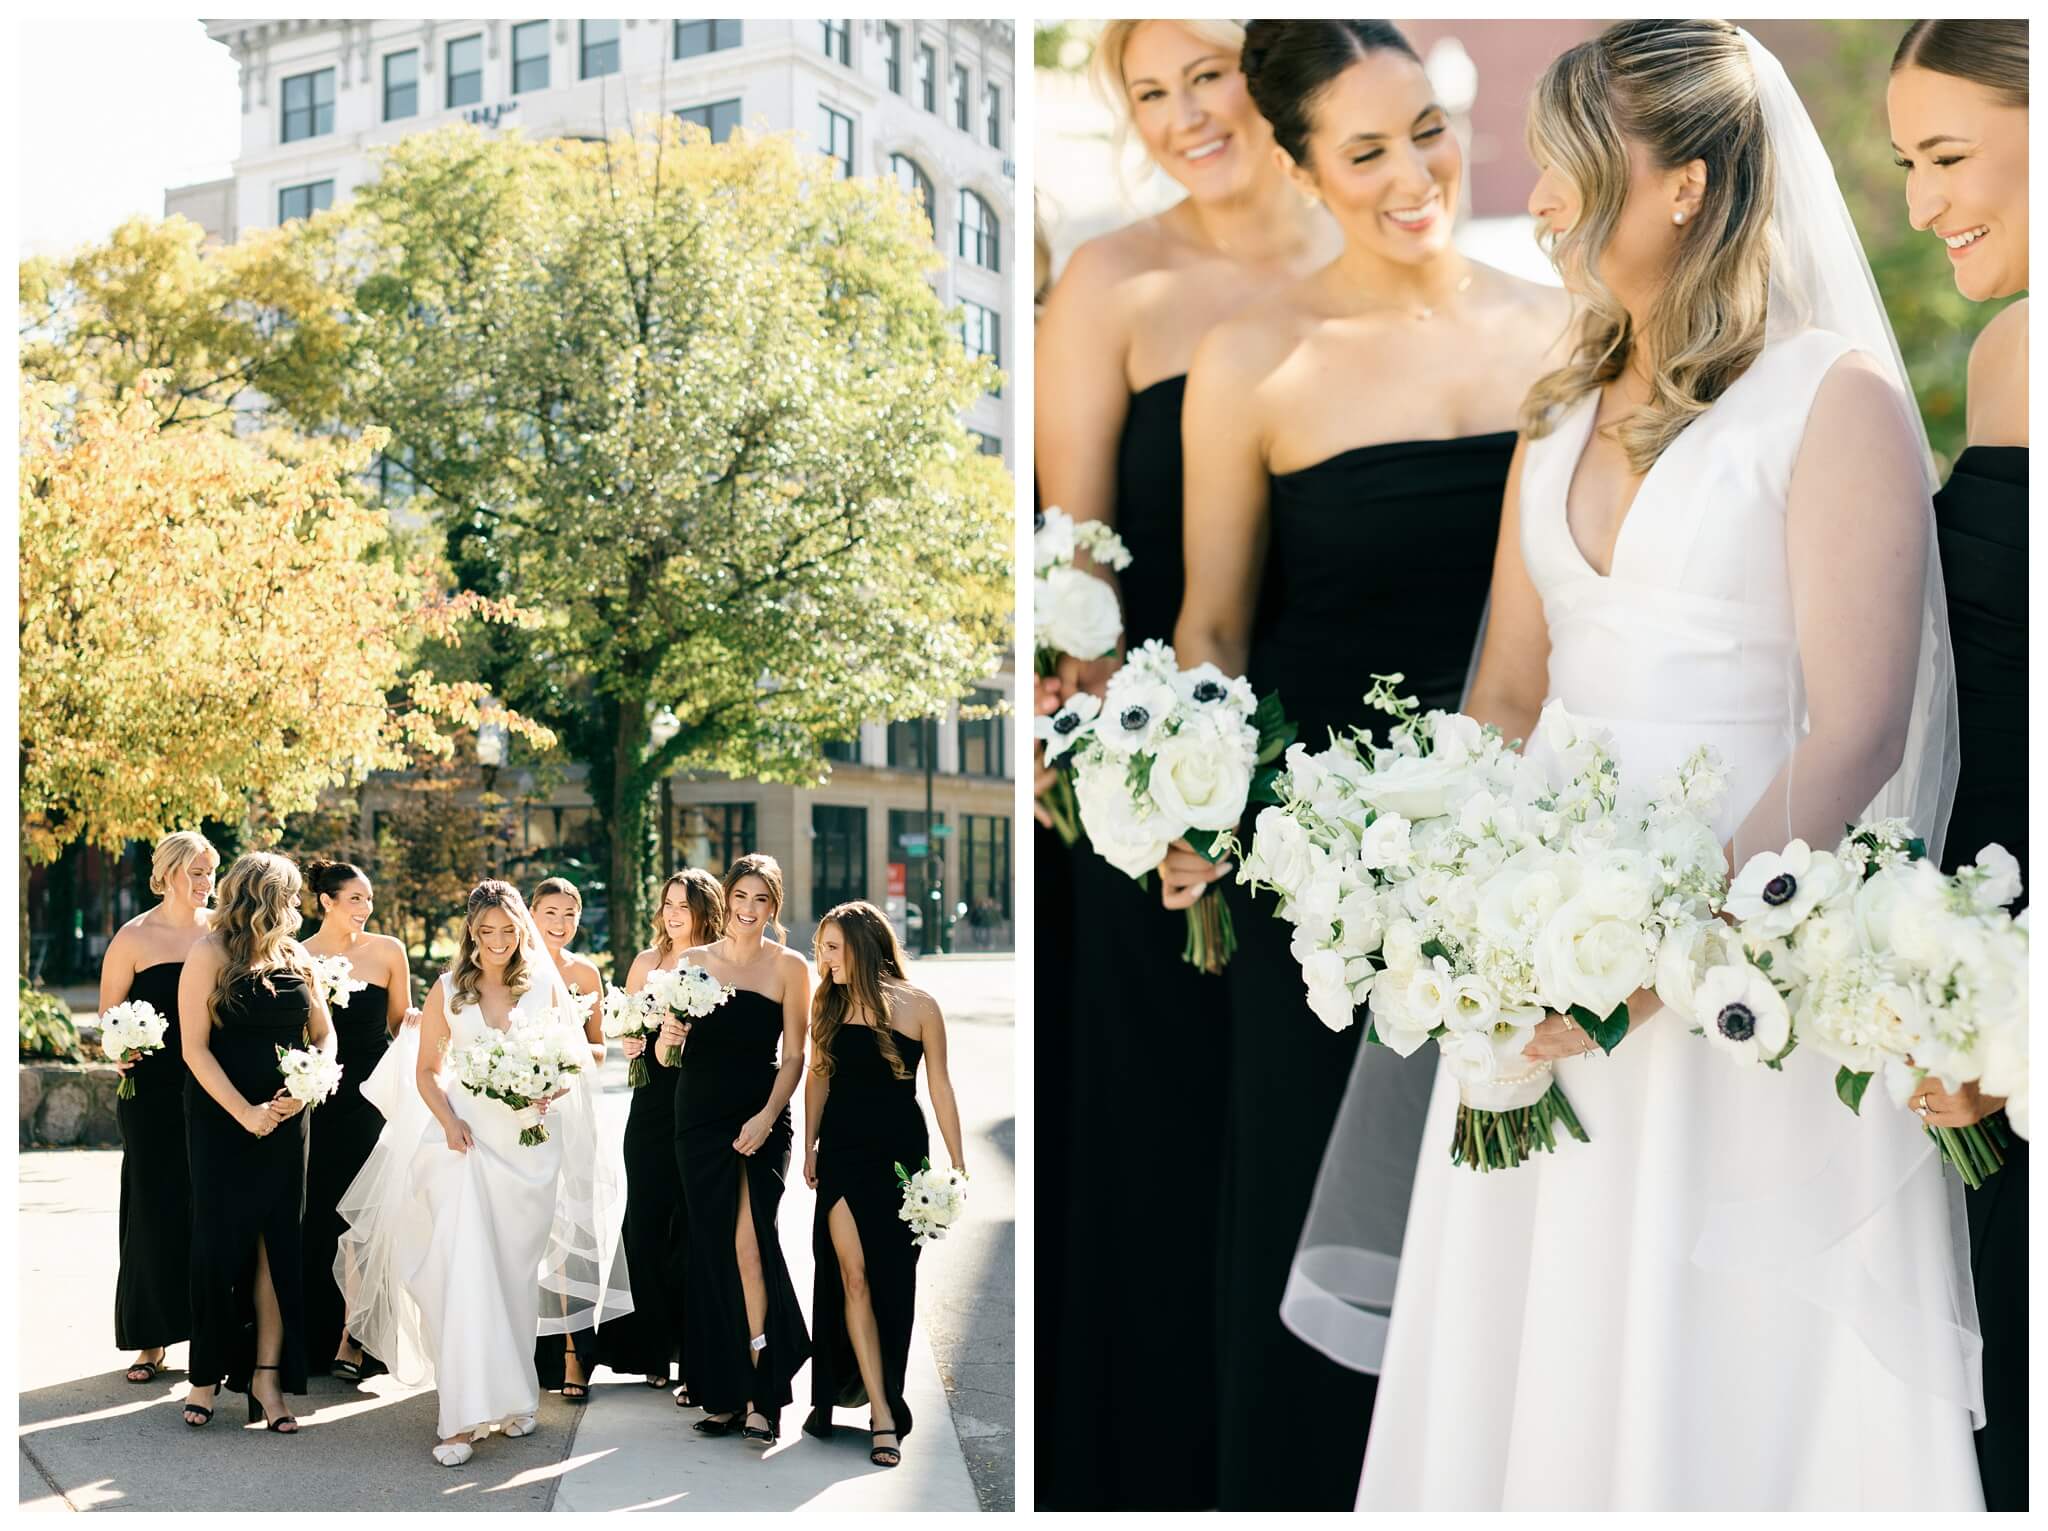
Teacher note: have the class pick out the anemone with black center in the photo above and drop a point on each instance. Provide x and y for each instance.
(1133, 718)
(1065, 722)
(1736, 1022)
(1210, 691)
(1780, 889)
(1038, 520)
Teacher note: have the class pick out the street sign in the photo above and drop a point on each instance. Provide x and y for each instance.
(916, 845)
(940, 831)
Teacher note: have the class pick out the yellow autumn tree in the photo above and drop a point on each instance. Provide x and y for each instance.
(201, 631)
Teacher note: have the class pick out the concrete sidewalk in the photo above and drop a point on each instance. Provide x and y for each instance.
(90, 1440)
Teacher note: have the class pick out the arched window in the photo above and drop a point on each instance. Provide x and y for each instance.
(978, 241)
(911, 177)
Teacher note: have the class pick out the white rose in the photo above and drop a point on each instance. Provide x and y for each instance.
(1052, 539)
(1586, 957)
(1742, 1014)
(1281, 855)
(1519, 899)
(1416, 786)
(1773, 892)
(1135, 709)
(1426, 997)
(1474, 1004)
(1132, 841)
(1997, 879)
(1392, 1022)
(1384, 846)
(1199, 781)
(1075, 613)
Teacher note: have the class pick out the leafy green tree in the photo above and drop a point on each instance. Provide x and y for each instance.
(697, 406)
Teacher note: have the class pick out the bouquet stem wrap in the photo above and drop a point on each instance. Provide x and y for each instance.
(1212, 940)
(1976, 1151)
(533, 1131)
(1503, 1121)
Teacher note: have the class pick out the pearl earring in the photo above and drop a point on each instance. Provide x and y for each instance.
(1678, 217)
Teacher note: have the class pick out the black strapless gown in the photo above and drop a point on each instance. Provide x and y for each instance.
(871, 1123)
(246, 1188)
(728, 1073)
(1130, 1391)
(1980, 517)
(342, 1131)
(649, 1340)
(152, 1303)
(1378, 561)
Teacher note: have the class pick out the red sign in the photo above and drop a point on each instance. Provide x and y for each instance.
(899, 879)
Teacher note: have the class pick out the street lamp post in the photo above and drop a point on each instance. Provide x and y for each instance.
(666, 726)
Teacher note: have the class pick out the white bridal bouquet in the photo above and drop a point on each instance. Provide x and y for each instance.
(1464, 890)
(522, 1066)
(309, 1074)
(337, 979)
(630, 1015)
(1170, 754)
(1074, 613)
(932, 1200)
(688, 991)
(129, 1030)
(1872, 957)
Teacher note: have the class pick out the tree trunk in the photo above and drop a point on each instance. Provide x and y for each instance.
(628, 805)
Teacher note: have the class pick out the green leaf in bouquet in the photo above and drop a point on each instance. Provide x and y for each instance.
(1916, 850)
(1433, 948)
(1609, 1032)
(1762, 961)
(1850, 1085)
(1370, 1034)
(1265, 786)
(1208, 843)
(1276, 730)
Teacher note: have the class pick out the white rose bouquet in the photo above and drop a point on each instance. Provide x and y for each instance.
(127, 1031)
(309, 1074)
(686, 990)
(932, 1200)
(630, 1015)
(1878, 961)
(1463, 890)
(520, 1067)
(337, 979)
(1170, 754)
(1072, 612)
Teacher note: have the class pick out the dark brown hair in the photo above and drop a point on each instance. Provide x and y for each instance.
(325, 878)
(1289, 64)
(874, 962)
(764, 866)
(552, 887)
(1988, 53)
(707, 910)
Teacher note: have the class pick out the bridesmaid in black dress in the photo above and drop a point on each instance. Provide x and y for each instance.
(744, 1330)
(1966, 82)
(144, 961)
(247, 990)
(869, 1028)
(649, 1340)
(557, 910)
(345, 1128)
(1113, 345)
(1347, 445)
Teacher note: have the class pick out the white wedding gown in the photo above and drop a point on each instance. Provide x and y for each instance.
(1738, 1295)
(469, 1232)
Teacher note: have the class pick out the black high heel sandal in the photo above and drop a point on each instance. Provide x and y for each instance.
(150, 1370)
(683, 1398)
(762, 1436)
(276, 1426)
(710, 1425)
(878, 1453)
(357, 1371)
(582, 1389)
(205, 1414)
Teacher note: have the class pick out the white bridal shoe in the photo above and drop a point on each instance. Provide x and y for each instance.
(516, 1425)
(453, 1453)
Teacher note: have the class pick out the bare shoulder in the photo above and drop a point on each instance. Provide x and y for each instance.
(1249, 346)
(914, 1004)
(793, 963)
(392, 950)
(2002, 342)
(1998, 380)
(580, 968)
(1100, 266)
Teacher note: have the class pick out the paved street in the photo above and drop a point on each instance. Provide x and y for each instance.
(89, 1440)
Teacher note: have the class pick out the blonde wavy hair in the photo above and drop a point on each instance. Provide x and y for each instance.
(874, 964)
(707, 911)
(466, 977)
(1684, 90)
(173, 853)
(1106, 64)
(257, 926)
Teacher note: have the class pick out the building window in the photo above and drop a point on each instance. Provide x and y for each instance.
(839, 856)
(908, 746)
(991, 446)
(529, 57)
(713, 835)
(992, 109)
(466, 71)
(718, 119)
(892, 55)
(981, 738)
(837, 35)
(981, 331)
(308, 105)
(304, 201)
(977, 241)
(401, 84)
(694, 38)
(599, 49)
(928, 77)
(844, 751)
(835, 131)
(985, 868)
(911, 177)
(960, 97)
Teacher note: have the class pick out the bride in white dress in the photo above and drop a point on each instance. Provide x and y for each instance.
(1738, 1295)
(463, 1245)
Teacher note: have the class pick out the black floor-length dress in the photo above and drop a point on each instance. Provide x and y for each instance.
(728, 1073)
(340, 1132)
(649, 1341)
(1378, 562)
(1128, 1407)
(871, 1123)
(1981, 521)
(246, 1188)
(152, 1307)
